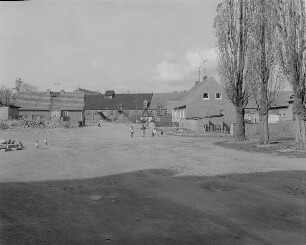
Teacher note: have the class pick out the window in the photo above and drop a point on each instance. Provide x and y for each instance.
(65, 114)
(218, 96)
(55, 113)
(206, 96)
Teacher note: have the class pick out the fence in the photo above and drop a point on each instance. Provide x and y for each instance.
(280, 129)
(213, 128)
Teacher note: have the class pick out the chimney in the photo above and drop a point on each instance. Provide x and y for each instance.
(62, 91)
(197, 82)
(204, 78)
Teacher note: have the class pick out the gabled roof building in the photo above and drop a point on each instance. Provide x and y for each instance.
(206, 101)
(117, 107)
(51, 105)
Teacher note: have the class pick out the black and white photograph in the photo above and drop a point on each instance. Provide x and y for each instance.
(153, 122)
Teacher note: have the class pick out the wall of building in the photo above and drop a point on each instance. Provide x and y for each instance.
(276, 130)
(93, 116)
(275, 115)
(286, 113)
(197, 106)
(4, 110)
(163, 121)
(201, 107)
(75, 116)
(13, 113)
(9, 113)
(178, 114)
(191, 124)
(35, 115)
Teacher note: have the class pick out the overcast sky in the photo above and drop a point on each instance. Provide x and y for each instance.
(136, 45)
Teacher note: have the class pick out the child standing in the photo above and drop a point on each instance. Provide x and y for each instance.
(131, 131)
(153, 132)
(143, 129)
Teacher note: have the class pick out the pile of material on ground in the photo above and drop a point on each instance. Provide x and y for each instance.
(10, 145)
(35, 124)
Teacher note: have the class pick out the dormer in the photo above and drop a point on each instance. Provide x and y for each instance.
(109, 94)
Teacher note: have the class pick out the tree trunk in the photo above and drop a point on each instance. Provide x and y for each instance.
(264, 116)
(265, 71)
(240, 130)
(264, 128)
(299, 121)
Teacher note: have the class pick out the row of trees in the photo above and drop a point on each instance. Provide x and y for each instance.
(6, 94)
(261, 44)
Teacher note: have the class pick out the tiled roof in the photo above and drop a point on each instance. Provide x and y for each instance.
(128, 101)
(44, 101)
(194, 91)
(280, 101)
(163, 98)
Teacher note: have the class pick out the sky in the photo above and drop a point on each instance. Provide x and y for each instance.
(122, 45)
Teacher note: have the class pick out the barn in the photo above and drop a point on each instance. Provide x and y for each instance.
(51, 106)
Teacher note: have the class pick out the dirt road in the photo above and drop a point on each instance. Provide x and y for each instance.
(98, 185)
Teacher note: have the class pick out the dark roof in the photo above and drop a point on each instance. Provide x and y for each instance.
(50, 101)
(281, 100)
(128, 101)
(180, 107)
(8, 105)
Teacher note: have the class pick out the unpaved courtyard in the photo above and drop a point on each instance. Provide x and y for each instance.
(97, 185)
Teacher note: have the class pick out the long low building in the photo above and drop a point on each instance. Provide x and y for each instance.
(117, 107)
(46, 106)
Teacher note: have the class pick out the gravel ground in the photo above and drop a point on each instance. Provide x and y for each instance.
(97, 185)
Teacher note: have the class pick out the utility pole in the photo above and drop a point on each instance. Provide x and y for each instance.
(204, 70)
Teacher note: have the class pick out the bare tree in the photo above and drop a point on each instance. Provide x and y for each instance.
(291, 23)
(5, 95)
(265, 73)
(28, 87)
(232, 26)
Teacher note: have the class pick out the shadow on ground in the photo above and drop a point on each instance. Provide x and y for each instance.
(156, 207)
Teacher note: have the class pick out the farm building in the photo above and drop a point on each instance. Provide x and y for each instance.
(160, 107)
(117, 107)
(205, 104)
(281, 109)
(9, 112)
(46, 106)
(160, 102)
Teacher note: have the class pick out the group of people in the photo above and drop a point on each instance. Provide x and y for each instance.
(143, 129)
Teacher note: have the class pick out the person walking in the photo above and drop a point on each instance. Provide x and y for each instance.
(131, 131)
(143, 129)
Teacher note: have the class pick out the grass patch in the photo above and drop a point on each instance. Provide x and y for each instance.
(281, 147)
